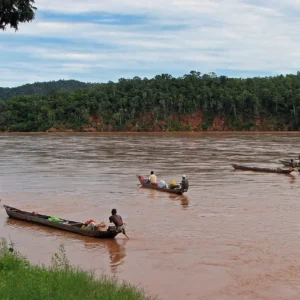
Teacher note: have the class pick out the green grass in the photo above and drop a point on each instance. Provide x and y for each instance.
(19, 280)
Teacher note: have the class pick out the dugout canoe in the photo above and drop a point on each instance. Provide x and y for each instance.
(177, 191)
(287, 163)
(257, 169)
(66, 225)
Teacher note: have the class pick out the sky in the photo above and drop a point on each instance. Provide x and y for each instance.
(103, 40)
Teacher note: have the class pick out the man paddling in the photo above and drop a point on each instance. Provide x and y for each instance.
(184, 184)
(117, 220)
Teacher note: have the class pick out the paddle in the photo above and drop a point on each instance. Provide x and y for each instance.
(123, 231)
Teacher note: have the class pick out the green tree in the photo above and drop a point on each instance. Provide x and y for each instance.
(13, 12)
(161, 102)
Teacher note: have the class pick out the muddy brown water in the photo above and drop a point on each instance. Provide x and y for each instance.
(234, 235)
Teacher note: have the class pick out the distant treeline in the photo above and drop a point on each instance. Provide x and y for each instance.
(43, 88)
(191, 102)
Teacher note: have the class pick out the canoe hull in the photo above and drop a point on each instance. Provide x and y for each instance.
(153, 187)
(287, 163)
(71, 226)
(256, 169)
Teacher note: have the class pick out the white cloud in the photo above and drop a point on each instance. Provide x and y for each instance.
(176, 35)
(154, 7)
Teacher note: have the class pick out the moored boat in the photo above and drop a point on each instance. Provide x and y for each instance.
(66, 225)
(287, 163)
(144, 184)
(257, 169)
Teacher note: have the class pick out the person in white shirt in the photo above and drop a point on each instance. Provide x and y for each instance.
(153, 178)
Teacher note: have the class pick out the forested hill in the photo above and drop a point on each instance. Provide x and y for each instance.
(191, 102)
(42, 88)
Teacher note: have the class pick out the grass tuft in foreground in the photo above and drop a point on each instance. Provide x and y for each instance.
(19, 280)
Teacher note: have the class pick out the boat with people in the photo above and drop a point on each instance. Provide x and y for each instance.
(288, 162)
(176, 190)
(63, 224)
(257, 169)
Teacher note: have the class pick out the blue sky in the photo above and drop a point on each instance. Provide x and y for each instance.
(101, 40)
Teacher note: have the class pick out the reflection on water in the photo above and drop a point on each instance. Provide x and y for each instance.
(115, 248)
(153, 193)
(116, 253)
(233, 235)
(183, 199)
(292, 178)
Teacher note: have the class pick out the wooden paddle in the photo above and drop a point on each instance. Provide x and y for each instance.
(123, 231)
(125, 234)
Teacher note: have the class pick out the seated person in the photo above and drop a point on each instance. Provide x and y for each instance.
(153, 178)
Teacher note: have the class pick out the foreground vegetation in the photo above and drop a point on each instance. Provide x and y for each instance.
(22, 281)
(192, 102)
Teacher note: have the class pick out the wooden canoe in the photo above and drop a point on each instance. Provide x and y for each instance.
(287, 163)
(256, 169)
(67, 225)
(153, 187)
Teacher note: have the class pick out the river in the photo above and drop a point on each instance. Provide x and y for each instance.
(233, 235)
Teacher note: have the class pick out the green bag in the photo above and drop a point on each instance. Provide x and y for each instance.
(55, 219)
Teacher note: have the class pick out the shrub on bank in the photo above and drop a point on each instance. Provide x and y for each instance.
(19, 280)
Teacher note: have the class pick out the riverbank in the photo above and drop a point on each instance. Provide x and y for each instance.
(21, 280)
(66, 132)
